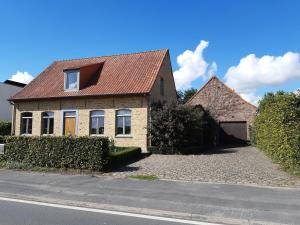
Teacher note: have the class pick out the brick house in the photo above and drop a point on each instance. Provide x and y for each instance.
(109, 96)
(233, 114)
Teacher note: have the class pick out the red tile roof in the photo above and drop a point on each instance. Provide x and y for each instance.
(117, 75)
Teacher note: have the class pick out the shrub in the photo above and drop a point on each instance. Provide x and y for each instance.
(123, 156)
(176, 127)
(277, 128)
(59, 152)
(2, 139)
(5, 128)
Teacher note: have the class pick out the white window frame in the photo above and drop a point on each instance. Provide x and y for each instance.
(97, 121)
(116, 123)
(66, 79)
(27, 124)
(48, 123)
(63, 120)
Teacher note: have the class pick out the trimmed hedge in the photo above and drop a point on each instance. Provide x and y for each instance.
(124, 156)
(59, 152)
(277, 128)
(5, 128)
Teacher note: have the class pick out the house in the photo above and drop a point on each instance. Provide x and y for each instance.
(233, 114)
(7, 89)
(101, 96)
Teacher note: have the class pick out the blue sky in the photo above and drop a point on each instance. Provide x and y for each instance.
(35, 33)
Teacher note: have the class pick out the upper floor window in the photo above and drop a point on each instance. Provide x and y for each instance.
(71, 80)
(47, 122)
(97, 122)
(123, 122)
(26, 123)
(162, 87)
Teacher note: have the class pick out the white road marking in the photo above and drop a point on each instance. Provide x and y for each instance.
(78, 208)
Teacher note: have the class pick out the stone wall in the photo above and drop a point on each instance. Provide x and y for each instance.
(137, 105)
(223, 103)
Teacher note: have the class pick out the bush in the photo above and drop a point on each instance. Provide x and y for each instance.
(5, 128)
(123, 156)
(60, 152)
(277, 128)
(175, 128)
(2, 139)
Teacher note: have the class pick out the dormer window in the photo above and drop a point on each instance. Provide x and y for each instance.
(71, 80)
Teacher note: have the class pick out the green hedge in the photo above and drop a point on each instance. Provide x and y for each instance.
(5, 128)
(277, 128)
(60, 152)
(124, 156)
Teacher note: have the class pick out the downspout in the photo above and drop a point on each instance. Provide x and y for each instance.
(149, 122)
(13, 122)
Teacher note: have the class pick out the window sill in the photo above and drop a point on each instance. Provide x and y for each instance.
(45, 135)
(26, 135)
(123, 136)
(71, 90)
(97, 135)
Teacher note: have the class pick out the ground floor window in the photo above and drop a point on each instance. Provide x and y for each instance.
(47, 122)
(123, 122)
(26, 123)
(97, 122)
(69, 123)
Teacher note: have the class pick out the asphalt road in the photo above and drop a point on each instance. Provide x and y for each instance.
(16, 213)
(210, 202)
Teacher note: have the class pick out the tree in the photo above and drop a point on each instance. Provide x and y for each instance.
(184, 96)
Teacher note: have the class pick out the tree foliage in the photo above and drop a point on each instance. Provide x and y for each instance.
(184, 96)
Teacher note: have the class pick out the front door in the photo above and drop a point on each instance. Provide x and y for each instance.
(70, 123)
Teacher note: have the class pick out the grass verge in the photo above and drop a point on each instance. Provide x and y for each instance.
(143, 177)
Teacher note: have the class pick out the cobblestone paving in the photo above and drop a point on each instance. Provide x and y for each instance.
(244, 165)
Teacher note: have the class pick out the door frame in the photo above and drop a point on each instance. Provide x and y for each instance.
(63, 120)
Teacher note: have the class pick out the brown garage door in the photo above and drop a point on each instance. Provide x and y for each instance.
(233, 132)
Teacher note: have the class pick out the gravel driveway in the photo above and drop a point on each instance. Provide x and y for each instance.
(229, 165)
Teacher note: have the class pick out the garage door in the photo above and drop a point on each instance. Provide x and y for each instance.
(233, 132)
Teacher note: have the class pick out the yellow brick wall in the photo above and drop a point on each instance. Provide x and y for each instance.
(137, 105)
(166, 73)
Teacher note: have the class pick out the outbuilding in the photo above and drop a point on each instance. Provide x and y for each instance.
(232, 113)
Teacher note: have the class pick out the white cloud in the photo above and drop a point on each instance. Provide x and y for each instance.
(212, 70)
(192, 66)
(253, 72)
(22, 77)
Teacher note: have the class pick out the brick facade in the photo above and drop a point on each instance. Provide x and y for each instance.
(166, 73)
(223, 103)
(138, 104)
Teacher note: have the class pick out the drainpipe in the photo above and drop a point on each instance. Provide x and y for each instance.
(13, 122)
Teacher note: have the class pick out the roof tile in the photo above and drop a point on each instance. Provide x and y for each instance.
(121, 74)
